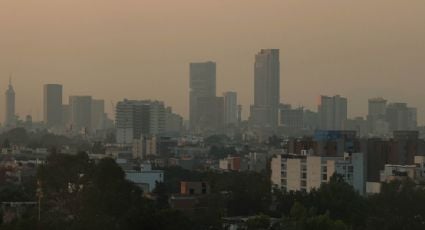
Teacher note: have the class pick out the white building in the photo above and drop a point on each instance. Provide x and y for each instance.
(146, 178)
(306, 172)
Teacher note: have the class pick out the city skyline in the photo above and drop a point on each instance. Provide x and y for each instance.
(375, 55)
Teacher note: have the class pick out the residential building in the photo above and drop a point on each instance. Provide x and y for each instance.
(135, 119)
(307, 172)
(291, 118)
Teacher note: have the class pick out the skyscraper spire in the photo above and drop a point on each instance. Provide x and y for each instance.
(10, 104)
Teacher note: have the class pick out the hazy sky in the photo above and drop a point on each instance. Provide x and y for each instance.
(140, 49)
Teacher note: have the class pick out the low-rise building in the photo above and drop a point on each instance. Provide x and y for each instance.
(306, 172)
(146, 178)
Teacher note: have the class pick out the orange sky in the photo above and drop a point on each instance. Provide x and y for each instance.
(140, 49)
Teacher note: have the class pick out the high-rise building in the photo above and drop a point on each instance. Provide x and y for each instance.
(80, 108)
(202, 85)
(332, 112)
(211, 115)
(98, 115)
(53, 105)
(230, 108)
(377, 107)
(10, 118)
(135, 119)
(264, 112)
(376, 117)
(397, 115)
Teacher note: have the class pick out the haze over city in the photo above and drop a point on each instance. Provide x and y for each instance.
(142, 49)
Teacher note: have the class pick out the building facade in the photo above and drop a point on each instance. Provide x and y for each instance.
(52, 105)
(202, 85)
(291, 172)
(264, 112)
(332, 112)
(10, 115)
(230, 108)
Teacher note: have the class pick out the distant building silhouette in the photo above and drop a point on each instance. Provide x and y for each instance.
(231, 108)
(264, 112)
(53, 105)
(332, 112)
(135, 119)
(98, 115)
(202, 88)
(80, 113)
(10, 118)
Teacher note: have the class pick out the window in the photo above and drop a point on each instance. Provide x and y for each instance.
(303, 183)
(304, 175)
(324, 177)
(325, 169)
(350, 169)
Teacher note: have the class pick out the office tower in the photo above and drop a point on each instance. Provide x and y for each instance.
(10, 118)
(135, 119)
(376, 120)
(66, 115)
(174, 123)
(80, 113)
(412, 118)
(53, 105)
(397, 116)
(202, 85)
(239, 113)
(332, 112)
(98, 115)
(230, 108)
(211, 115)
(264, 112)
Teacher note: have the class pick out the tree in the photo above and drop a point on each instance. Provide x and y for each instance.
(260, 222)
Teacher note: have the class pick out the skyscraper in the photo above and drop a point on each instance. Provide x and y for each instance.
(230, 108)
(202, 85)
(53, 105)
(10, 118)
(332, 112)
(264, 112)
(98, 115)
(80, 119)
